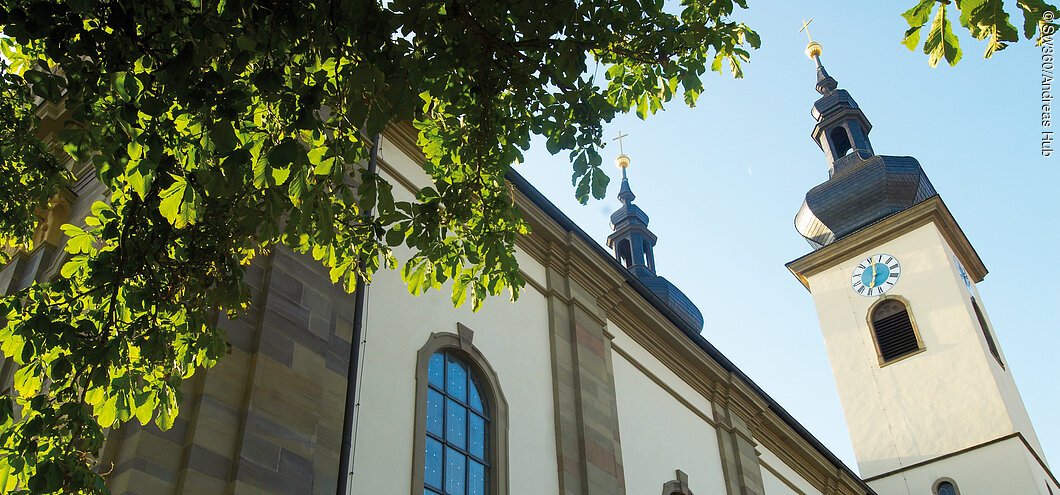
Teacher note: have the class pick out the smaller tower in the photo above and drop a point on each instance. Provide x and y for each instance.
(631, 240)
(634, 246)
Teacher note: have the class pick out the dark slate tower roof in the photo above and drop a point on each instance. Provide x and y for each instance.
(862, 187)
(634, 245)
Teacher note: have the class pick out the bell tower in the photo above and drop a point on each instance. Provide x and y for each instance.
(927, 393)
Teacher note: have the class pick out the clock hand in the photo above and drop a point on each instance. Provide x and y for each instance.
(873, 272)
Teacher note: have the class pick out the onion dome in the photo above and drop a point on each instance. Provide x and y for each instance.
(862, 187)
(633, 244)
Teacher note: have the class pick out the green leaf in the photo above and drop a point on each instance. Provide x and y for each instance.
(28, 378)
(280, 175)
(920, 13)
(987, 19)
(71, 267)
(321, 165)
(285, 153)
(145, 407)
(169, 408)
(223, 136)
(1033, 10)
(77, 143)
(941, 42)
(78, 241)
(912, 38)
(179, 203)
(599, 183)
(127, 86)
(107, 412)
(459, 292)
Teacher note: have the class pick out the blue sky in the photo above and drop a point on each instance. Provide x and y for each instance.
(722, 182)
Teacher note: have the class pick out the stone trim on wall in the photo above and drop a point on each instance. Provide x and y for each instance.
(498, 406)
(586, 407)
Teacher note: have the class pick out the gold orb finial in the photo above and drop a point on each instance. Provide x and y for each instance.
(622, 160)
(813, 48)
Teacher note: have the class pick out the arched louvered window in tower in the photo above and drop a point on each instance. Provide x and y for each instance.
(893, 330)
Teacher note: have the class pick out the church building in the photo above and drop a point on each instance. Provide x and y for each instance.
(597, 381)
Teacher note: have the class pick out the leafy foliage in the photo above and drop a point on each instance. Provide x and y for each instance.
(984, 20)
(224, 129)
(29, 174)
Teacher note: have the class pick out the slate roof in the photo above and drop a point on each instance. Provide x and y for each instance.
(860, 193)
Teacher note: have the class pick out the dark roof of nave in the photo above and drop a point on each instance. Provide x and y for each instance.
(686, 327)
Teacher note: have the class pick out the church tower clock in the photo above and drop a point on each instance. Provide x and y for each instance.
(928, 397)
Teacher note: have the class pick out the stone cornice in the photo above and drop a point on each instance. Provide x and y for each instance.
(931, 210)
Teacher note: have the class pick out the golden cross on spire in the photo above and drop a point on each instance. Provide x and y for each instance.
(619, 139)
(806, 27)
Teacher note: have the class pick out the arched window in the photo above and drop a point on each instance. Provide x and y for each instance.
(461, 437)
(625, 253)
(893, 330)
(840, 142)
(986, 333)
(648, 255)
(457, 447)
(946, 487)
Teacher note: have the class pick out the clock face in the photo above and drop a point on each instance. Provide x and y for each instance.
(875, 275)
(964, 273)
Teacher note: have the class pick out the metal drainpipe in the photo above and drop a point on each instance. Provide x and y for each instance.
(346, 449)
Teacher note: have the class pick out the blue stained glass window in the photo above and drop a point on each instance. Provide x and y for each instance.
(455, 481)
(473, 398)
(477, 435)
(432, 460)
(457, 454)
(455, 424)
(436, 370)
(435, 416)
(476, 478)
(456, 381)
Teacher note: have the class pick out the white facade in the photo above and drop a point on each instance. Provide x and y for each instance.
(664, 422)
(950, 410)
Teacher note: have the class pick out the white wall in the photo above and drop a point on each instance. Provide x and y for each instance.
(659, 433)
(513, 337)
(1001, 468)
(779, 478)
(950, 397)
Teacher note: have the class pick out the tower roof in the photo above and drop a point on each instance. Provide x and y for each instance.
(862, 187)
(633, 244)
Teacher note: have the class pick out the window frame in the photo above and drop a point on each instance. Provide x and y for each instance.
(460, 345)
(912, 321)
